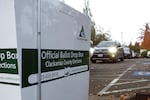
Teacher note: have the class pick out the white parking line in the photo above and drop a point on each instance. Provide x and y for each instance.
(146, 63)
(97, 78)
(131, 82)
(124, 90)
(114, 81)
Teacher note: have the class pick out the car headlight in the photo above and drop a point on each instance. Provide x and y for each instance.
(91, 51)
(112, 50)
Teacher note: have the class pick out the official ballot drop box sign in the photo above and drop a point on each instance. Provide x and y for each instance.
(48, 38)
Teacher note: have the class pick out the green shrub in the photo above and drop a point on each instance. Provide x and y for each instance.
(144, 54)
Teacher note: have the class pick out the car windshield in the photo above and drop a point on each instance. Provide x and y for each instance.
(126, 49)
(106, 44)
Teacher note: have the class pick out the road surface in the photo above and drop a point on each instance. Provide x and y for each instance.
(113, 80)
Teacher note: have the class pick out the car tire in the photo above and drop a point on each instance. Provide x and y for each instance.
(93, 61)
(114, 60)
(122, 59)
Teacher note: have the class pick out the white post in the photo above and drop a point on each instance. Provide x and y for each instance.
(39, 47)
(39, 65)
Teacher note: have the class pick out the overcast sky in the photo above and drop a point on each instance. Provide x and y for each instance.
(119, 16)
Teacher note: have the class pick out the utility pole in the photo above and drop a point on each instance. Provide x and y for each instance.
(122, 38)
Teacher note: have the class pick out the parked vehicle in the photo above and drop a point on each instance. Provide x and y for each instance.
(133, 54)
(127, 53)
(148, 54)
(108, 50)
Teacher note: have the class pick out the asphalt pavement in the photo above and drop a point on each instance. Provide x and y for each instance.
(116, 81)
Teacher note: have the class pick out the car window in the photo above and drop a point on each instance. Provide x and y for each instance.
(106, 44)
(126, 49)
(119, 45)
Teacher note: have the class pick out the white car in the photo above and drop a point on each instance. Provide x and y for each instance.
(148, 54)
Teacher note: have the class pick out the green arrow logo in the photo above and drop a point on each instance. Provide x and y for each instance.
(82, 33)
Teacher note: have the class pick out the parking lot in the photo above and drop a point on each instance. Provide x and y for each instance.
(111, 81)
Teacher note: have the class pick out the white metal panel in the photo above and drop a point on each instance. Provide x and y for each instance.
(75, 87)
(26, 23)
(60, 30)
(7, 24)
(9, 92)
(9, 83)
(61, 26)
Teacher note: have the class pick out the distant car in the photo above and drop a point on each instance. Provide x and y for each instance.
(127, 53)
(148, 54)
(108, 50)
(133, 54)
(137, 55)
